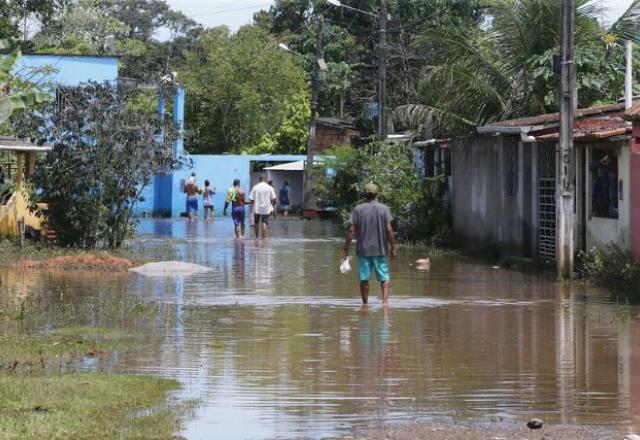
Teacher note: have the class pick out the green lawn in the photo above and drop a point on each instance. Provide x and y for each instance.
(87, 406)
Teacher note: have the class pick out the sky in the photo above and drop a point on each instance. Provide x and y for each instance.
(236, 13)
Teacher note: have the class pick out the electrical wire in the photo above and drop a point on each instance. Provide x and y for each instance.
(224, 11)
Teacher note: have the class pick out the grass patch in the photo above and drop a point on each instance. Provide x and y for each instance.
(76, 406)
(27, 351)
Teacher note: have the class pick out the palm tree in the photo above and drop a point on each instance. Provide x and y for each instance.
(489, 77)
(627, 27)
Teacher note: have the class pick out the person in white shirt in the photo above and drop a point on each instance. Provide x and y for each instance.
(263, 197)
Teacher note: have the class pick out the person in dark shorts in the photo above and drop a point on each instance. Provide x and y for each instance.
(263, 197)
(236, 197)
(285, 198)
(370, 224)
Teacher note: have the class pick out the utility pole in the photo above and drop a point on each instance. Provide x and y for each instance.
(382, 71)
(565, 186)
(308, 172)
(628, 76)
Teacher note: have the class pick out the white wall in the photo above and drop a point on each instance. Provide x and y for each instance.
(603, 231)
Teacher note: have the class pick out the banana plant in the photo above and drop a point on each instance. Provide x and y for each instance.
(10, 99)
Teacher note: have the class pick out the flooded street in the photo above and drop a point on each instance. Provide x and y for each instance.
(275, 343)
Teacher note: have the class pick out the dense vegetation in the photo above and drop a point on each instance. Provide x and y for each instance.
(468, 62)
(105, 150)
(613, 268)
(472, 61)
(418, 204)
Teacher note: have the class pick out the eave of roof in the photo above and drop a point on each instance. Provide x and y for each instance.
(20, 145)
(590, 135)
(555, 117)
(633, 113)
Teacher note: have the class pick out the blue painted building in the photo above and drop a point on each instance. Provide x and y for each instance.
(164, 197)
(69, 70)
(166, 192)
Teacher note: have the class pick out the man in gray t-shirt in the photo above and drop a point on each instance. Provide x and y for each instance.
(370, 223)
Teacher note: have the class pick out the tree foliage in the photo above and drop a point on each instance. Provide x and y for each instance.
(241, 87)
(418, 204)
(127, 28)
(292, 136)
(105, 150)
(504, 69)
(15, 93)
(17, 16)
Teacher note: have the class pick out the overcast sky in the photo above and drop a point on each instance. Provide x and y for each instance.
(236, 13)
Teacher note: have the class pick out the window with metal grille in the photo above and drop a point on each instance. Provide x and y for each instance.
(510, 167)
(604, 183)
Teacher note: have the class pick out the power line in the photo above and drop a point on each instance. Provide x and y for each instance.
(223, 11)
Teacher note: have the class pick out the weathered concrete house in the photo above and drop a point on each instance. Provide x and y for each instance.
(504, 183)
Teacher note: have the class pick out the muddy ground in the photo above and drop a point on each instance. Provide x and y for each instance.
(488, 432)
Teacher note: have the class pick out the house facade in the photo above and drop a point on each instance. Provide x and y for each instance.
(504, 183)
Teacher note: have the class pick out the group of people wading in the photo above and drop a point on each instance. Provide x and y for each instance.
(262, 198)
(369, 224)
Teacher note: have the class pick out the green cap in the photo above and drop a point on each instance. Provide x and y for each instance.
(370, 188)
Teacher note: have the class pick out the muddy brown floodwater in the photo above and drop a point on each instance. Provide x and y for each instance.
(275, 344)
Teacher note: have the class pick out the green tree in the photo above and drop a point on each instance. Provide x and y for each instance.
(15, 93)
(292, 136)
(105, 150)
(127, 28)
(239, 86)
(351, 44)
(418, 205)
(17, 16)
(494, 72)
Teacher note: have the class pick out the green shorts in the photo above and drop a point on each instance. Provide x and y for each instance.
(378, 264)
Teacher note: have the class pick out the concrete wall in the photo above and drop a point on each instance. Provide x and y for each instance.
(220, 170)
(296, 183)
(70, 70)
(634, 193)
(484, 214)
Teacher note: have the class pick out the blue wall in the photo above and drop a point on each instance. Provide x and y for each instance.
(71, 70)
(220, 170)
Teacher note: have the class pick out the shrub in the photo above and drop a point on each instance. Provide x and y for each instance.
(613, 268)
(418, 205)
(105, 150)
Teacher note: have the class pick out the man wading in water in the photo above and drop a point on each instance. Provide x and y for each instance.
(235, 196)
(263, 197)
(370, 223)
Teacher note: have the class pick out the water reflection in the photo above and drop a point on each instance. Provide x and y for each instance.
(276, 343)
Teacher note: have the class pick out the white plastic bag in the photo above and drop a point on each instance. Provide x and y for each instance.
(345, 267)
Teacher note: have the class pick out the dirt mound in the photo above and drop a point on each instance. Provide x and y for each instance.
(93, 262)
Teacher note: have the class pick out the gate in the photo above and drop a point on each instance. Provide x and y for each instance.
(547, 202)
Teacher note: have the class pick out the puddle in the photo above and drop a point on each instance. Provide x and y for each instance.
(275, 343)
